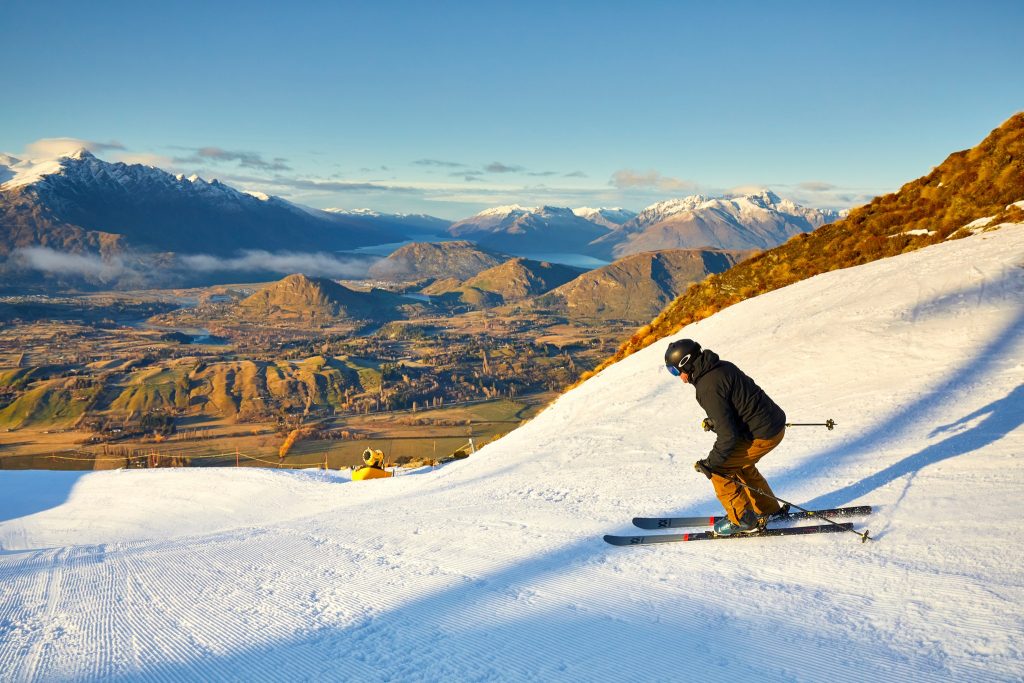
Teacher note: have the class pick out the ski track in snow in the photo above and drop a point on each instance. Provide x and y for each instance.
(493, 568)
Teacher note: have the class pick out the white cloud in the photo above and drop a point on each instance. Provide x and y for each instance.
(64, 263)
(742, 190)
(318, 263)
(160, 161)
(653, 180)
(48, 148)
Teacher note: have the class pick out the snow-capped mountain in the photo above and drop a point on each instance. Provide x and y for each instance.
(152, 210)
(754, 221)
(419, 221)
(610, 217)
(523, 230)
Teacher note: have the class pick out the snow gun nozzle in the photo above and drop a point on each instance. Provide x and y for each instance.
(830, 423)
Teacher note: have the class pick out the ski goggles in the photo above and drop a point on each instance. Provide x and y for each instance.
(676, 370)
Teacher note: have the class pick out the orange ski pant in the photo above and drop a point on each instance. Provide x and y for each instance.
(741, 465)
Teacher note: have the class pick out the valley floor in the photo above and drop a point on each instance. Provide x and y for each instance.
(493, 568)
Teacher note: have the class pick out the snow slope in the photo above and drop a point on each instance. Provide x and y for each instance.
(493, 568)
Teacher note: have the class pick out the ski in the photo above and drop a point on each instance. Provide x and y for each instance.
(710, 536)
(676, 522)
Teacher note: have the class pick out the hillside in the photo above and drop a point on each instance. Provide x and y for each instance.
(513, 280)
(637, 287)
(980, 184)
(240, 389)
(458, 259)
(312, 298)
(493, 568)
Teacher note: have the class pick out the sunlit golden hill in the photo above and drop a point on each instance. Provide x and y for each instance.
(299, 297)
(978, 183)
(234, 389)
(457, 259)
(513, 280)
(636, 287)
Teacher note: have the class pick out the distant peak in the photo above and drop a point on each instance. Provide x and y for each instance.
(354, 212)
(507, 209)
(81, 154)
(548, 209)
(763, 197)
(591, 209)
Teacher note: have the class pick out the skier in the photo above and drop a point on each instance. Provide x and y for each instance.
(748, 424)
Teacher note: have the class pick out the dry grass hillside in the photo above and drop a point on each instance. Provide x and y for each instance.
(636, 287)
(510, 281)
(299, 297)
(459, 259)
(243, 390)
(969, 185)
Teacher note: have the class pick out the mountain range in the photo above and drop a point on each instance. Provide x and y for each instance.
(155, 211)
(77, 220)
(760, 220)
(519, 229)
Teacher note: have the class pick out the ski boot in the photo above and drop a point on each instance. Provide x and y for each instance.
(775, 516)
(749, 524)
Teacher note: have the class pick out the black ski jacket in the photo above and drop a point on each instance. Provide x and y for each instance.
(739, 408)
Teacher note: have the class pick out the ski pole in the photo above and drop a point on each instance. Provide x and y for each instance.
(830, 423)
(709, 426)
(863, 536)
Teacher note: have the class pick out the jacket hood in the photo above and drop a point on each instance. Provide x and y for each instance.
(706, 361)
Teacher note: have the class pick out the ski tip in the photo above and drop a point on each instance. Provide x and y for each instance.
(623, 540)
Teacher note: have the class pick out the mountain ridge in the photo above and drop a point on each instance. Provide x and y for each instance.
(758, 220)
(158, 211)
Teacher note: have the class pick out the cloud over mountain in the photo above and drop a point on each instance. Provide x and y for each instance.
(57, 262)
(651, 180)
(252, 260)
(55, 147)
(244, 159)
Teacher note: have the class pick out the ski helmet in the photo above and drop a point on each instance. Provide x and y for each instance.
(680, 354)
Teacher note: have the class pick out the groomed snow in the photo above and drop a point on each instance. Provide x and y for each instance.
(493, 568)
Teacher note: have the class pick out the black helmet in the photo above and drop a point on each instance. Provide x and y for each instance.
(680, 354)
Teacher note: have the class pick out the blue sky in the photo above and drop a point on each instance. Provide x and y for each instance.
(449, 107)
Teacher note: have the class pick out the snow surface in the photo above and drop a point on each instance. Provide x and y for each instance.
(20, 172)
(493, 568)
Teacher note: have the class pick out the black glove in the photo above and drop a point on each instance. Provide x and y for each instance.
(708, 424)
(703, 467)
